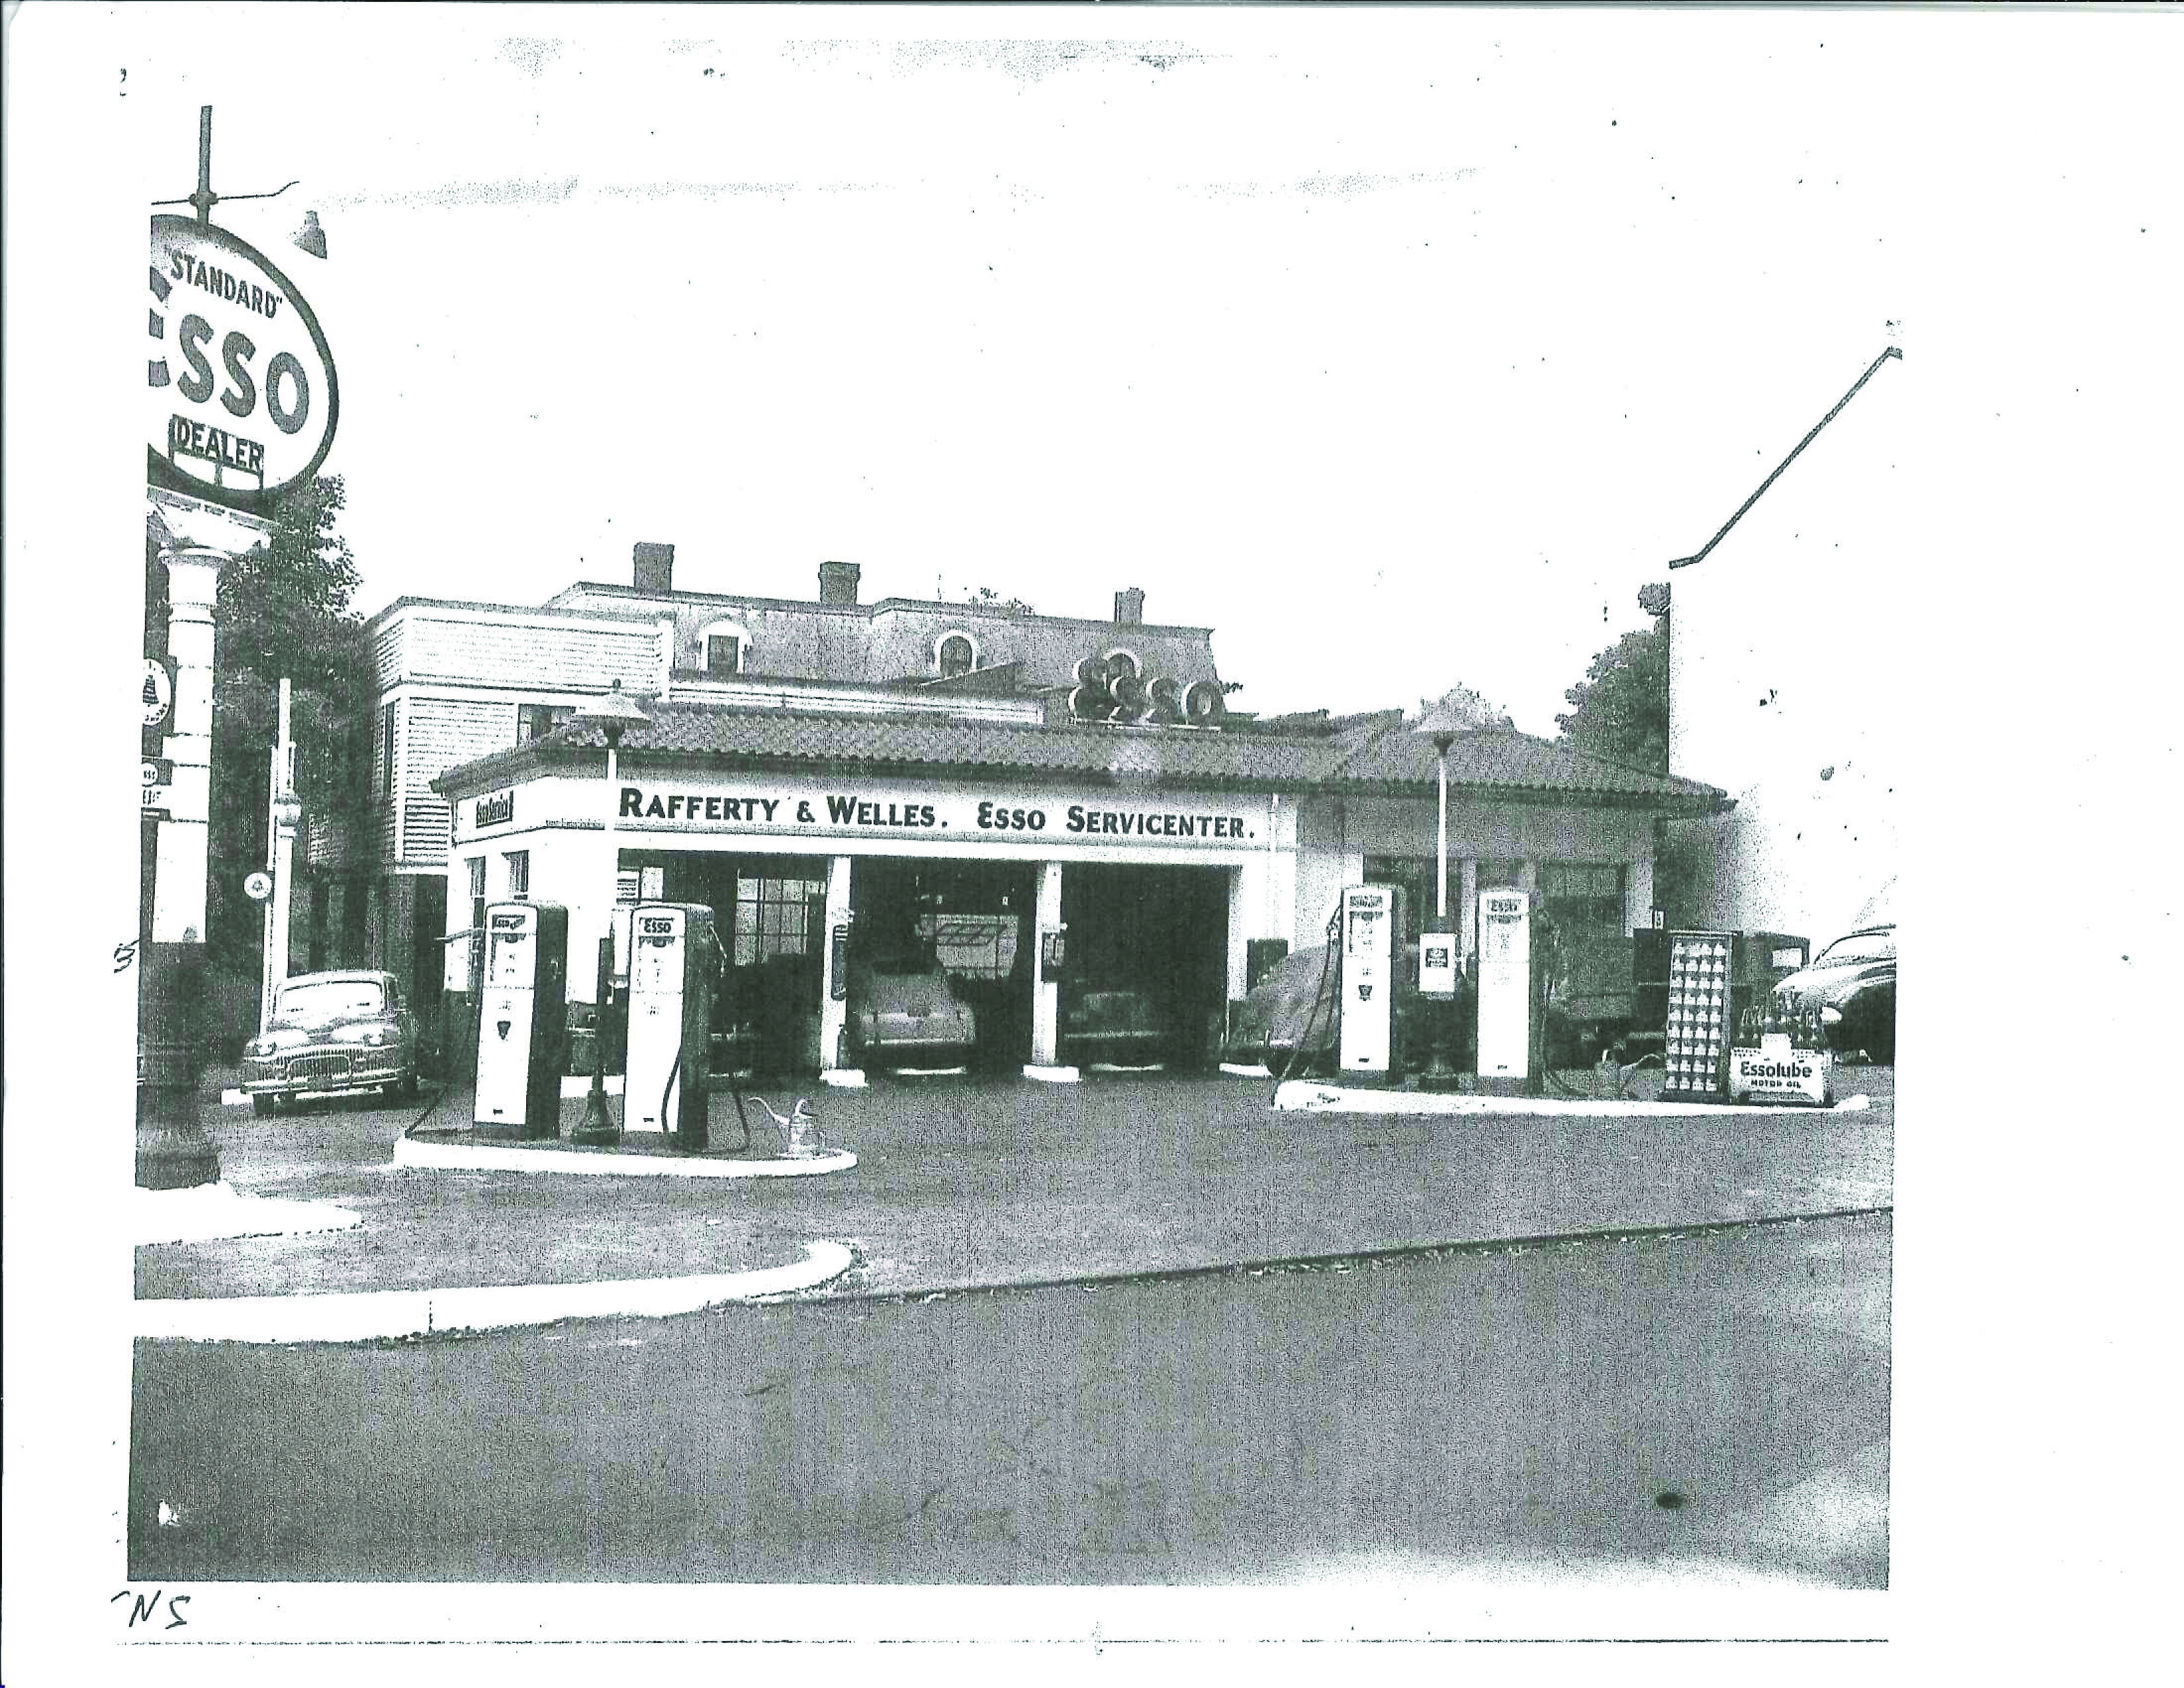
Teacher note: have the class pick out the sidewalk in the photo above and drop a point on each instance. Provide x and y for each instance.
(962, 1183)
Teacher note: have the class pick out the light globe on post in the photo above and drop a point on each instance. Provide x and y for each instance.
(1440, 726)
(611, 716)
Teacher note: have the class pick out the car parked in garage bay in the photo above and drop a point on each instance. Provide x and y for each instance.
(903, 1013)
(1124, 1027)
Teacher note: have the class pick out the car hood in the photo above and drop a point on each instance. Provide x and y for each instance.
(913, 994)
(293, 1034)
(1834, 984)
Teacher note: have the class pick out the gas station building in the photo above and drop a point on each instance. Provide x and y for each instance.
(835, 778)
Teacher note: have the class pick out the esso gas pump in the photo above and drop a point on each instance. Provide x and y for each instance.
(522, 1018)
(1371, 936)
(674, 961)
(1513, 955)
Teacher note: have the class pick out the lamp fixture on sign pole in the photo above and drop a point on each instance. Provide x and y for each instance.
(613, 715)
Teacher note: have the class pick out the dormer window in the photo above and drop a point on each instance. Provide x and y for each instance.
(954, 654)
(726, 647)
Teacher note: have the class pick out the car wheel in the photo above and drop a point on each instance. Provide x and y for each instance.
(1880, 1044)
(406, 1091)
(265, 1106)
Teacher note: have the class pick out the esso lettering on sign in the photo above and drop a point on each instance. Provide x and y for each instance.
(995, 818)
(241, 394)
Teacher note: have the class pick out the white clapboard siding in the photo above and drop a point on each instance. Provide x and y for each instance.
(493, 654)
(443, 734)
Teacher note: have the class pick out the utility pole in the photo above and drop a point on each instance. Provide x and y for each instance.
(282, 813)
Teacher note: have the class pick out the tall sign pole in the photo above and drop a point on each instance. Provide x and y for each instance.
(282, 813)
(242, 402)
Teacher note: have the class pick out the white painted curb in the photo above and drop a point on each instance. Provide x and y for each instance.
(485, 1157)
(574, 1089)
(1053, 1075)
(210, 1212)
(928, 1072)
(394, 1313)
(1117, 1066)
(844, 1078)
(1237, 1070)
(1298, 1095)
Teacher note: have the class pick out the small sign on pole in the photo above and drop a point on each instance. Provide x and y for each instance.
(159, 696)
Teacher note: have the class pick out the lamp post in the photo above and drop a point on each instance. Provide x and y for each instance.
(1442, 729)
(613, 715)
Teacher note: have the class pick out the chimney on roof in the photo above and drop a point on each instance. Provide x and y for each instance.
(1130, 607)
(654, 570)
(837, 583)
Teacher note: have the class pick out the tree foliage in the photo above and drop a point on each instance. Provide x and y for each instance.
(1620, 709)
(1465, 709)
(987, 599)
(282, 612)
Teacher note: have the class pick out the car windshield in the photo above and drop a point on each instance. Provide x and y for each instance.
(321, 1001)
(1860, 946)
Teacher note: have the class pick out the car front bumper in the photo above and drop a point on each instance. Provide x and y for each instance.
(325, 1074)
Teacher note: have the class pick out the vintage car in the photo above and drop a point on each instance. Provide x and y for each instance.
(1123, 1027)
(1852, 984)
(332, 1033)
(905, 1014)
(1287, 1024)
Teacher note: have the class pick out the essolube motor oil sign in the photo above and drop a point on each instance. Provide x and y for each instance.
(241, 399)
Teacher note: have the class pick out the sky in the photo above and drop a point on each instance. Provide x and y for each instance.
(1400, 356)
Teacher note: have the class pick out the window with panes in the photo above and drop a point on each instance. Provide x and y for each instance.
(536, 720)
(776, 917)
(476, 867)
(1582, 896)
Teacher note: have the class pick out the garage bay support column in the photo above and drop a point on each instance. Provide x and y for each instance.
(1046, 993)
(1638, 897)
(834, 988)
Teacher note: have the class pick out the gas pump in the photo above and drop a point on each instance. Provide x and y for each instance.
(522, 1011)
(1512, 1021)
(674, 960)
(1371, 936)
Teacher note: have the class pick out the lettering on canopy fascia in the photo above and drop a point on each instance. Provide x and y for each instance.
(824, 812)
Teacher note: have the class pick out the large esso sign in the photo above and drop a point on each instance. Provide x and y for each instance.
(241, 399)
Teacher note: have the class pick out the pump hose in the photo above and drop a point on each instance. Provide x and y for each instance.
(1312, 1020)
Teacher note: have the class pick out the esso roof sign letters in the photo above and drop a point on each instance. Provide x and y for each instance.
(241, 397)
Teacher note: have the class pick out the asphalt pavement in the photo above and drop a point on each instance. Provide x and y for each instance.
(1711, 1406)
(964, 1182)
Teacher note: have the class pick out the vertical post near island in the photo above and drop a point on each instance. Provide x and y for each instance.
(1437, 956)
(613, 715)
